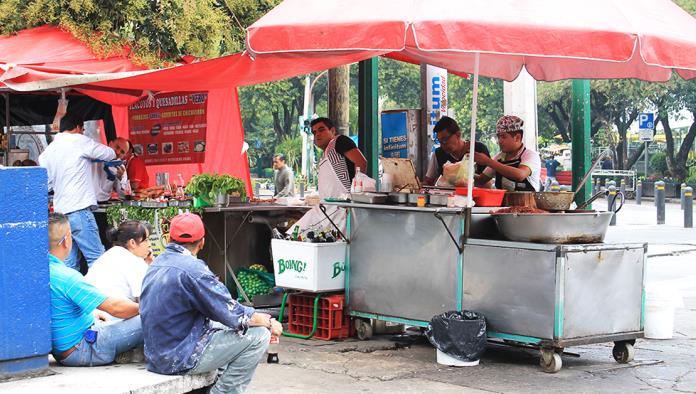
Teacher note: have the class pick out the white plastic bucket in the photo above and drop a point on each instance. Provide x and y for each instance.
(660, 305)
(445, 359)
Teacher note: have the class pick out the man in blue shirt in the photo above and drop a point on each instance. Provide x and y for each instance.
(76, 340)
(191, 323)
(551, 165)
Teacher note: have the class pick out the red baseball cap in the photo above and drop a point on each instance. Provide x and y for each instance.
(186, 227)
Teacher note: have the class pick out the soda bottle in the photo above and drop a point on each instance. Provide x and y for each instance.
(296, 233)
(273, 350)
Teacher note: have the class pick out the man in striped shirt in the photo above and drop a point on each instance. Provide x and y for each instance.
(76, 340)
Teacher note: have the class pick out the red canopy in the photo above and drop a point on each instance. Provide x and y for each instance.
(34, 59)
(644, 39)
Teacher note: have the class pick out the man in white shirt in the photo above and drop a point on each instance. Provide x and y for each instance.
(516, 168)
(68, 161)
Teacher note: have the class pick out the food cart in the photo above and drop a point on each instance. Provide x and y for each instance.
(407, 264)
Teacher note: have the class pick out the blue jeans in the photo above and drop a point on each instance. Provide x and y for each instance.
(112, 340)
(235, 356)
(85, 234)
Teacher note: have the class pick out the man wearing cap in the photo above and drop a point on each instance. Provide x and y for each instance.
(191, 324)
(515, 168)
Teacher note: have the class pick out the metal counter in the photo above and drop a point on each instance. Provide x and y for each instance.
(406, 265)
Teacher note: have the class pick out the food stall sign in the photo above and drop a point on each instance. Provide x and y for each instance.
(169, 128)
(436, 90)
(395, 134)
(646, 125)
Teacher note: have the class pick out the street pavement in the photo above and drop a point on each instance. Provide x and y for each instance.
(382, 366)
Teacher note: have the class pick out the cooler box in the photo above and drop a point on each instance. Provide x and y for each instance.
(309, 266)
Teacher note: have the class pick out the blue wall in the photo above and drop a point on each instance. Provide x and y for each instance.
(25, 315)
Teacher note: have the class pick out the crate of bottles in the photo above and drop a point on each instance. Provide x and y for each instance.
(332, 322)
(309, 266)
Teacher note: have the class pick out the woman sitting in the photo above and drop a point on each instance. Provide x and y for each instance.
(119, 272)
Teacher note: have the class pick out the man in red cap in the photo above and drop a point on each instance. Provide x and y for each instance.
(191, 324)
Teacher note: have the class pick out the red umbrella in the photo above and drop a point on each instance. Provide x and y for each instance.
(553, 40)
(644, 39)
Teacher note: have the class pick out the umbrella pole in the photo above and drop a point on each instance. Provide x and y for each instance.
(472, 132)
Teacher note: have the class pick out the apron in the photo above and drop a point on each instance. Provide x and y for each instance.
(508, 184)
(333, 182)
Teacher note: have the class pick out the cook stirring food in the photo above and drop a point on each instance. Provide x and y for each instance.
(516, 168)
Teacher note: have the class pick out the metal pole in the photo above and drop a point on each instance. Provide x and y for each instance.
(612, 204)
(645, 158)
(8, 133)
(639, 192)
(622, 187)
(688, 207)
(368, 108)
(681, 194)
(580, 130)
(660, 200)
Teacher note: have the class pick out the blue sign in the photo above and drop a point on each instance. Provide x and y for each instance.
(395, 134)
(646, 120)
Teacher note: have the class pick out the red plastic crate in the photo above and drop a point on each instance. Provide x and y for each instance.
(332, 323)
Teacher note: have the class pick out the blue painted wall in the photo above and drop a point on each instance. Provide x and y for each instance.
(25, 315)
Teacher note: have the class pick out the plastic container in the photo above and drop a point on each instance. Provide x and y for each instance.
(309, 266)
(332, 322)
(660, 307)
(445, 359)
(484, 197)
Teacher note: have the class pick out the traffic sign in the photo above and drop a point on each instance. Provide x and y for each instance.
(646, 120)
(645, 135)
(646, 124)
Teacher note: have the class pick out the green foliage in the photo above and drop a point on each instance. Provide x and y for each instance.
(291, 147)
(210, 185)
(157, 32)
(116, 214)
(658, 162)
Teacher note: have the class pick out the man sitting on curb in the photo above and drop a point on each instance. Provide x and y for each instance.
(76, 340)
(191, 323)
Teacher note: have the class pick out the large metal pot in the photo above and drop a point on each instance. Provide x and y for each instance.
(554, 228)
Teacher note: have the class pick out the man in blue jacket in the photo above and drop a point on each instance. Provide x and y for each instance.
(191, 324)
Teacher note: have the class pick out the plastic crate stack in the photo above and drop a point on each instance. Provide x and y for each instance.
(332, 323)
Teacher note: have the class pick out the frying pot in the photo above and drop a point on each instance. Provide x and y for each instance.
(577, 227)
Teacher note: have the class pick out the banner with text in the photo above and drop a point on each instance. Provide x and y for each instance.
(169, 128)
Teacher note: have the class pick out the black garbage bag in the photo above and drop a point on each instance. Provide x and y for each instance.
(461, 335)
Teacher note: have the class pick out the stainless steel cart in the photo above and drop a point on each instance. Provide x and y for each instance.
(407, 264)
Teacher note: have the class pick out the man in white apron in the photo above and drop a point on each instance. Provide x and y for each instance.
(515, 168)
(339, 163)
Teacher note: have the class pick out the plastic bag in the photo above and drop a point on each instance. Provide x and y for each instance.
(368, 184)
(255, 282)
(461, 335)
(456, 174)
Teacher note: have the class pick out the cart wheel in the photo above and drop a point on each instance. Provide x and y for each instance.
(623, 352)
(550, 361)
(364, 329)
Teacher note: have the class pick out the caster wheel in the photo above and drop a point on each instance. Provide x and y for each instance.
(364, 329)
(623, 352)
(550, 361)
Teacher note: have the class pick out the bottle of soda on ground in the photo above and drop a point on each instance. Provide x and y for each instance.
(273, 350)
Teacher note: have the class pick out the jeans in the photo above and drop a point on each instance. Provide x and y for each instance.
(112, 340)
(235, 356)
(85, 234)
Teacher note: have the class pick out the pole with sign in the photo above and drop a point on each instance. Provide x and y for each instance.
(646, 125)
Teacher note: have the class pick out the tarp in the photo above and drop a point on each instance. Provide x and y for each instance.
(48, 57)
(34, 59)
(553, 40)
